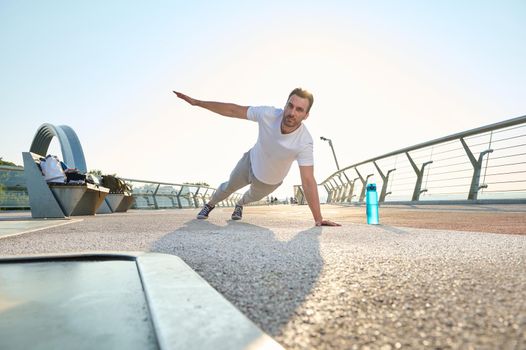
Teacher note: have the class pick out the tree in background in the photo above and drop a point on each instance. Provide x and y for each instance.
(5, 162)
(96, 172)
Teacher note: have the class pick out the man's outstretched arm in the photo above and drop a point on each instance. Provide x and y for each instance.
(226, 109)
(310, 188)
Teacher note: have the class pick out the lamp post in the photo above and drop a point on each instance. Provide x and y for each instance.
(332, 148)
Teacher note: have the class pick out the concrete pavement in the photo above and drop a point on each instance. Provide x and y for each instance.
(445, 285)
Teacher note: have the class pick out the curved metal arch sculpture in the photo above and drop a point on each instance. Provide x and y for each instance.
(69, 144)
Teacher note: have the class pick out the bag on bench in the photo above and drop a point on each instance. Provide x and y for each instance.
(115, 184)
(53, 169)
(74, 176)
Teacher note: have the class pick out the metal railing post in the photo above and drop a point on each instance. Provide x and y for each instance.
(329, 192)
(333, 190)
(345, 192)
(341, 189)
(302, 194)
(326, 188)
(155, 196)
(419, 177)
(347, 187)
(172, 198)
(196, 200)
(477, 166)
(351, 191)
(179, 197)
(364, 184)
(204, 195)
(385, 181)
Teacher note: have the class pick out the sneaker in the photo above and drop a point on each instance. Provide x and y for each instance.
(238, 212)
(203, 214)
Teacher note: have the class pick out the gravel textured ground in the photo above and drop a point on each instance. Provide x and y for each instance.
(352, 287)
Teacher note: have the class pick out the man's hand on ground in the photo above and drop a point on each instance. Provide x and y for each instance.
(186, 98)
(327, 223)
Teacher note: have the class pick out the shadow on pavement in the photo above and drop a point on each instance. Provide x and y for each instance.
(267, 279)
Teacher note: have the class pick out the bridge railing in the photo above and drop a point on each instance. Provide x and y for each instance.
(159, 195)
(483, 164)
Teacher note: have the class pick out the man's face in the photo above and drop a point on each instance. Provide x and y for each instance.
(295, 111)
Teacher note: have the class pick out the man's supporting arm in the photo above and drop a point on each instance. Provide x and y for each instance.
(226, 109)
(310, 188)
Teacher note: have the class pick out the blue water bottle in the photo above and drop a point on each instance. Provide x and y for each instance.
(371, 201)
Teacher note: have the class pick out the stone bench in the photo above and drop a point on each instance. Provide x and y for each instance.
(57, 200)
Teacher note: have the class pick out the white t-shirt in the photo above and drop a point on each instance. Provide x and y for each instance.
(274, 152)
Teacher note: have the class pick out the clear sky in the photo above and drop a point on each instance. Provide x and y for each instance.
(385, 74)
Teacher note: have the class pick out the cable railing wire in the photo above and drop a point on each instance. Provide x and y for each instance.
(504, 165)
